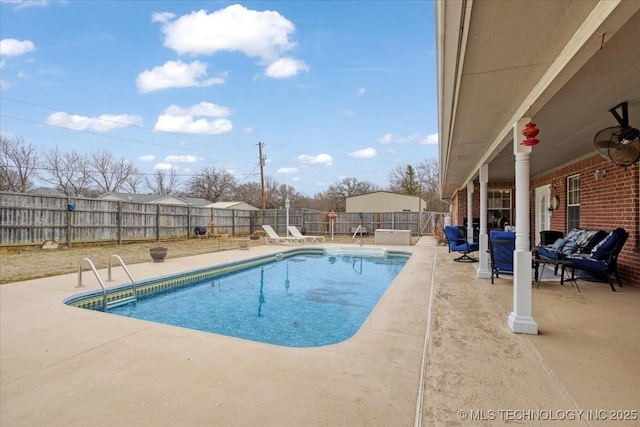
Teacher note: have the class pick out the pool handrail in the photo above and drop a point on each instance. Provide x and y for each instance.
(105, 303)
(126, 270)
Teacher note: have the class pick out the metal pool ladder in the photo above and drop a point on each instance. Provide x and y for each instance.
(105, 303)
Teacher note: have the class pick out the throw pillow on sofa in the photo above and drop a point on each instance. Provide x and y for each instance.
(569, 248)
(602, 250)
(558, 244)
(585, 237)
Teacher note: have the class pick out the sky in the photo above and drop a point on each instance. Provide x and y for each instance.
(333, 89)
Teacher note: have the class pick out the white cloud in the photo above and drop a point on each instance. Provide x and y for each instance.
(318, 159)
(258, 34)
(163, 17)
(102, 123)
(187, 124)
(284, 68)
(207, 109)
(365, 153)
(164, 166)
(147, 158)
(176, 119)
(23, 4)
(348, 113)
(176, 74)
(180, 159)
(247, 130)
(414, 137)
(13, 47)
(387, 138)
(430, 139)
(361, 91)
(287, 170)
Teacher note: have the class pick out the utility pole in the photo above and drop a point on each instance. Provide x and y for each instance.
(262, 159)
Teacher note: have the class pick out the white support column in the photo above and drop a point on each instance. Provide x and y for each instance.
(520, 319)
(484, 271)
(470, 212)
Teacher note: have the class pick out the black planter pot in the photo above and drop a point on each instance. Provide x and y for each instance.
(158, 254)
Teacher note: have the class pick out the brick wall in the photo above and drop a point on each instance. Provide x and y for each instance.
(606, 203)
(459, 201)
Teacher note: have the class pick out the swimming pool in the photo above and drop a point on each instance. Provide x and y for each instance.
(300, 298)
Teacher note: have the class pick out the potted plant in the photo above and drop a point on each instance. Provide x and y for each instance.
(158, 253)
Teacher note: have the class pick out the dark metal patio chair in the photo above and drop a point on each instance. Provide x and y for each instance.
(501, 247)
(458, 243)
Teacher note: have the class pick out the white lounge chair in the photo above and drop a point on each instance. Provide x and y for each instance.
(307, 239)
(272, 237)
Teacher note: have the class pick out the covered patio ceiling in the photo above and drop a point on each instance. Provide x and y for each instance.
(564, 63)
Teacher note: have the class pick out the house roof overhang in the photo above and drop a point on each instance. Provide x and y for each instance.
(564, 63)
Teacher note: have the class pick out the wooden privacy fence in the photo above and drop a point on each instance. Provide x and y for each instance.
(29, 219)
(318, 223)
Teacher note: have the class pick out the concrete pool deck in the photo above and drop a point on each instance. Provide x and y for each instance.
(61, 365)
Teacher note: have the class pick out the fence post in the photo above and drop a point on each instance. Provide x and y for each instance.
(233, 222)
(188, 221)
(119, 221)
(69, 218)
(157, 221)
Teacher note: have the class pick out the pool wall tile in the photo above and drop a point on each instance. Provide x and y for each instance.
(93, 300)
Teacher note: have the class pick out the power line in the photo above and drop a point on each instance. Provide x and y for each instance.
(131, 125)
(110, 136)
(261, 164)
(48, 169)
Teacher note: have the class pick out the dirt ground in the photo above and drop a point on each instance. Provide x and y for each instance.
(18, 264)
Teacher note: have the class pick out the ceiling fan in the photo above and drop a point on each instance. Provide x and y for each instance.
(620, 144)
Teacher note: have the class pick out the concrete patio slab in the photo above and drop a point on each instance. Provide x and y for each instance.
(435, 348)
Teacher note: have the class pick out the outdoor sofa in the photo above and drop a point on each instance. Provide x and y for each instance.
(577, 240)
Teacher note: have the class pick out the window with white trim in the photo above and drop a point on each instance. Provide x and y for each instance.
(499, 208)
(573, 202)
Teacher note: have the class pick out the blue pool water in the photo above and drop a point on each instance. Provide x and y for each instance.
(302, 301)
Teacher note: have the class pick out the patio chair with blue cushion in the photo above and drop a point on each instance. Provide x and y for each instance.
(458, 243)
(501, 247)
(602, 262)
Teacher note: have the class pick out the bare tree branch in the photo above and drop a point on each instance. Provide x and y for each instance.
(18, 163)
(110, 174)
(346, 188)
(67, 172)
(211, 184)
(164, 182)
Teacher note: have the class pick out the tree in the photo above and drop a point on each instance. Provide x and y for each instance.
(428, 172)
(163, 182)
(285, 191)
(410, 184)
(134, 184)
(249, 193)
(346, 188)
(272, 200)
(109, 173)
(212, 185)
(427, 177)
(67, 172)
(19, 162)
(322, 202)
